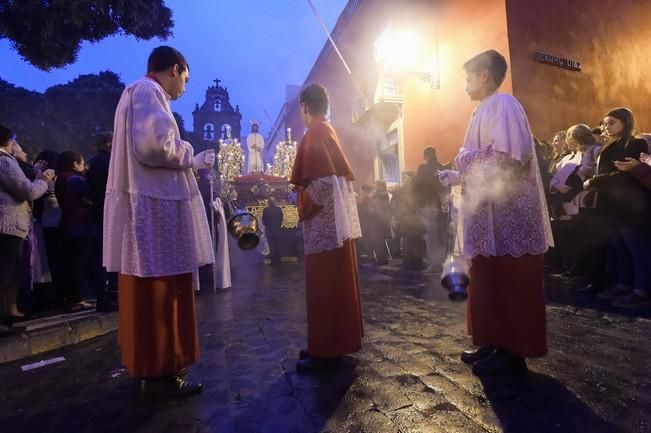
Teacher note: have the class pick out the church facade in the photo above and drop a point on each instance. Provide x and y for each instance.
(215, 115)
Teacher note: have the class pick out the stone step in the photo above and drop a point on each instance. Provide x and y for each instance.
(53, 332)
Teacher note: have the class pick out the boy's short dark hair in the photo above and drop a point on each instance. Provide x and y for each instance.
(315, 97)
(490, 60)
(163, 57)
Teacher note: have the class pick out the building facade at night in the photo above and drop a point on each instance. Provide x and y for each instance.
(283, 121)
(568, 63)
(211, 117)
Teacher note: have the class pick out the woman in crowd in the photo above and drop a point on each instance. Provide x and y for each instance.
(48, 213)
(567, 194)
(627, 206)
(16, 193)
(73, 195)
(573, 169)
(559, 150)
(641, 171)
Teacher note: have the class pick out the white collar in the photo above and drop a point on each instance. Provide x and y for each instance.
(4, 151)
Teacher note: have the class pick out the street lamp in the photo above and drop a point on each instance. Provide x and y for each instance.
(402, 52)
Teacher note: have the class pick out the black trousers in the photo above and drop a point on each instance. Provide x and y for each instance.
(75, 256)
(11, 248)
(274, 248)
(597, 258)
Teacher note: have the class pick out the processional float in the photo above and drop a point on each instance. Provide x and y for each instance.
(242, 224)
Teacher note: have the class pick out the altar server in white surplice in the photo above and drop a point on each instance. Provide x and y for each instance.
(156, 232)
(506, 229)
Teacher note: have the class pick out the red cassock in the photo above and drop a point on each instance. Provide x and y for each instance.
(506, 304)
(334, 312)
(157, 332)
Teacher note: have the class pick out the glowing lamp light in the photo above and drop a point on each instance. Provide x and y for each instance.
(400, 51)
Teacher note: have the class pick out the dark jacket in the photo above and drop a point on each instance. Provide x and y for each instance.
(427, 188)
(73, 194)
(642, 173)
(380, 213)
(619, 193)
(272, 218)
(97, 176)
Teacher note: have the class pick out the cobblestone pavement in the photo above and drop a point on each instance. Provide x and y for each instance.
(407, 378)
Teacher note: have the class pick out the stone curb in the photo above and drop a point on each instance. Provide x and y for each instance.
(67, 333)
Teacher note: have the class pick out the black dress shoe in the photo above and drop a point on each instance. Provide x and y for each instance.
(313, 364)
(501, 361)
(171, 386)
(470, 356)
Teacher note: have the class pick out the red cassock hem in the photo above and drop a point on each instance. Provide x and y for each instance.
(506, 304)
(157, 330)
(334, 309)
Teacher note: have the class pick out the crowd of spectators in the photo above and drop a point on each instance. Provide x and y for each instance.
(405, 220)
(598, 186)
(51, 231)
(598, 191)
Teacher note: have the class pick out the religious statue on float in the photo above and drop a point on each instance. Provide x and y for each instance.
(255, 145)
(230, 159)
(284, 157)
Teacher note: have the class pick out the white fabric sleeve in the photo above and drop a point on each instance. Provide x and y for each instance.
(509, 130)
(153, 133)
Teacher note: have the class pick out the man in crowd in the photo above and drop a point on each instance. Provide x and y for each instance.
(105, 283)
(327, 209)
(155, 229)
(505, 225)
(427, 193)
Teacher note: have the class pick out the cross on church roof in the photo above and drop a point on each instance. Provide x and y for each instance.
(217, 81)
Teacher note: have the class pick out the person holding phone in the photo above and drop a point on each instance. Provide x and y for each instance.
(626, 205)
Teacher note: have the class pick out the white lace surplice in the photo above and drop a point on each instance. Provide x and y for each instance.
(158, 237)
(337, 221)
(154, 218)
(503, 208)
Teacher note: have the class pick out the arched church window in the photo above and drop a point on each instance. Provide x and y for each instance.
(217, 105)
(226, 130)
(208, 131)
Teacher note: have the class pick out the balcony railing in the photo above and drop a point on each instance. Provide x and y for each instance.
(388, 92)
